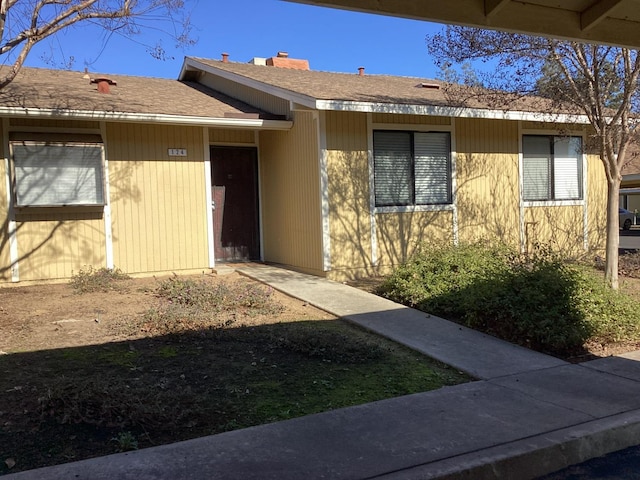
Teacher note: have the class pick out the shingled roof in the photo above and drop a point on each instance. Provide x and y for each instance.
(327, 87)
(66, 91)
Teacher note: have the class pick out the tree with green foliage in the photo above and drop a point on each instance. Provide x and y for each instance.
(597, 81)
(24, 23)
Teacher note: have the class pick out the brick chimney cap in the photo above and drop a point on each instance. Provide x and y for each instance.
(283, 54)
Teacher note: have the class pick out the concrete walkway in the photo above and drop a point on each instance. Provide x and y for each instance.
(528, 414)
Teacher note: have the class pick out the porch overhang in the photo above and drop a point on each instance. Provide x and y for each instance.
(615, 22)
(153, 118)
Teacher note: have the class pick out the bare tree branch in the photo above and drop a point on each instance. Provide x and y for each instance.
(600, 81)
(23, 24)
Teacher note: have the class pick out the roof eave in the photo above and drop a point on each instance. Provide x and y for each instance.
(449, 111)
(156, 118)
(373, 107)
(191, 63)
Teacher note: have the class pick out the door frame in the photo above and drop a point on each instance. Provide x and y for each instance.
(209, 190)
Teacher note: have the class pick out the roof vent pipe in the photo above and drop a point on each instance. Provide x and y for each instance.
(361, 71)
(103, 84)
(225, 58)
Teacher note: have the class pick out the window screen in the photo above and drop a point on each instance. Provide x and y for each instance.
(58, 174)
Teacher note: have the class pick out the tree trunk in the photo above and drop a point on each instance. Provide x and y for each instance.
(613, 234)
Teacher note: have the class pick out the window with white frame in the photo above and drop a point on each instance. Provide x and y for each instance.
(551, 167)
(57, 173)
(411, 168)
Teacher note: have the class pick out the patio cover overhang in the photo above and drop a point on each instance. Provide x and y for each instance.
(615, 22)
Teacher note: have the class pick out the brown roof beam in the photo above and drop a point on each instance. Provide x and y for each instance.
(596, 13)
(491, 7)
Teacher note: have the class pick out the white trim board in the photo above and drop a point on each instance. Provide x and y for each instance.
(239, 123)
(108, 226)
(209, 199)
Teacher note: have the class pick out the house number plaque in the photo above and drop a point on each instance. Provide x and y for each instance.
(177, 152)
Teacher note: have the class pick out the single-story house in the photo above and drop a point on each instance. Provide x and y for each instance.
(333, 174)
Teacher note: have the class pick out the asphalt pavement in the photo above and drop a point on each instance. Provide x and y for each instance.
(630, 240)
(621, 465)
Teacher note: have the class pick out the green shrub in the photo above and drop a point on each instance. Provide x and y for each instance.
(92, 279)
(542, 301)
(432, 278)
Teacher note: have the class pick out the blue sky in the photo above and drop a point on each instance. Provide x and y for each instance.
(332, 40)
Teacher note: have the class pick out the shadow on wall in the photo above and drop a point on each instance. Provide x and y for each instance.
(397, 235)
(349, 212)
(488, 198)
(488, 207)
(69, 236)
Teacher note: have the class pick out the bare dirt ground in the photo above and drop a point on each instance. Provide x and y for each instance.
(154, 361)
(42, 317)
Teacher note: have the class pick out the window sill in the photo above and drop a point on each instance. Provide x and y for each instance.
(553, 203)
(414, 208)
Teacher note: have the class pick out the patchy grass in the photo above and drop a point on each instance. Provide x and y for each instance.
(205, 357)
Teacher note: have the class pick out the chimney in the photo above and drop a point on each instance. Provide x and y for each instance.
(103, 84)
(361, 71)
(225, 58)
(282, 60)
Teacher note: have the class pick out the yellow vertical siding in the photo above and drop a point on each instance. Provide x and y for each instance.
(596, 204)
(399, 235)
(55, 242)
(561, 228)
(52, 242)
(290, 195)
(348, 188)
(487, 180)
(410, 119)
(158, 202)
(218, 135)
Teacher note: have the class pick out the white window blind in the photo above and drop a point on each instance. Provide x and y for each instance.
(412, 168)
(432, 167)
(58, 174)
(567, 172)
(393, 175)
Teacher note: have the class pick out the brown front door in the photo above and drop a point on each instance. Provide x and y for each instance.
(234, 174)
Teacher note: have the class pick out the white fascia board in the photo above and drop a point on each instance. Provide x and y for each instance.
(251, 123)
(249, 82)
(448, 111)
